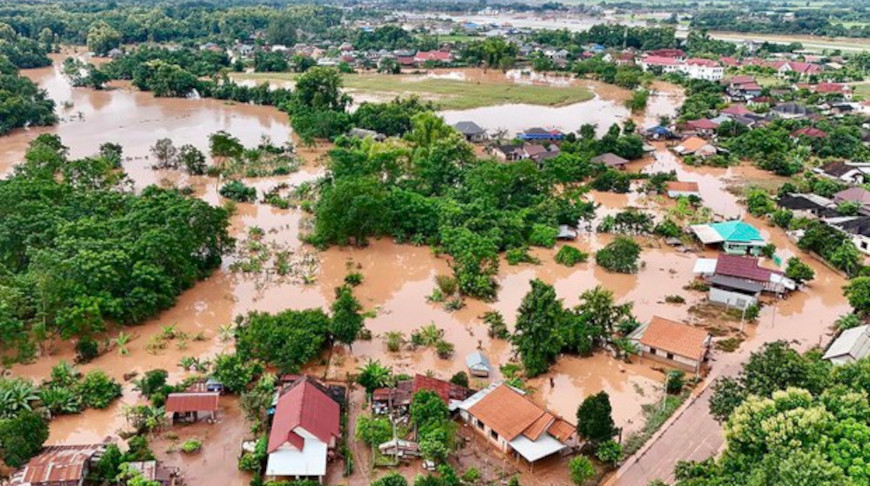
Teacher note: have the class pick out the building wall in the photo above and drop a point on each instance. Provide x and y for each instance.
(674, 360)
(485, 431)
(731, 299)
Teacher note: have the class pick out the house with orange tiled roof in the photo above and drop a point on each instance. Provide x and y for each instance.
(673, 343)
(506, 418)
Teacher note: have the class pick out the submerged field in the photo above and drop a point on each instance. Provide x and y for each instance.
(449, 93)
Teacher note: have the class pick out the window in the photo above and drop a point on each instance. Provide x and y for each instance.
(670, 355)
(652, 350)
(493, 434)
(479, 424)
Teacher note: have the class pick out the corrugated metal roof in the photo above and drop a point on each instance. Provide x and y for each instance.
(307, 406)
(853, 342)
(736, 283)
(192, 402)
(57, 464)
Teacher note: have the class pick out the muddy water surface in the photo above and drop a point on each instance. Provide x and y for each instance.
(397, 277)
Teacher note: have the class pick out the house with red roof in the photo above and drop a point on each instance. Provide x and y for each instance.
(305, 431)
(737, 110)
(678, 54)
(729, 61)
(441, 57)
(809, 132)
(666, 64)
(833, 88)
(702, 127)
(699, 68)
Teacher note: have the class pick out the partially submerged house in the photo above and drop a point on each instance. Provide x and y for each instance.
(737, 281)
(540, 134)
(191, 406)
(59, 465)
(850, 346)
(735, 237)
(677, 189)
(478, 364)
(610, 160)
(471, 131)
(304, 434)
(397, 399)
(673, 343)
(156, 472)
(857, 227)
(515, 425)
(847, 172)
(696, 146)
(808, 205)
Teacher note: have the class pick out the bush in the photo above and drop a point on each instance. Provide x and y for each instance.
(373, 431)
(353, 279)
(668, 229)
(676, 381)
(191, 445)
(460, 378)
(570, 256)
(238, 191)
(619, 256)
(543, 235)
(799, 271)
(98, 390)
(497, 326)
(86, 349)
(21, 437)
(581, 469)
(609, 452)
(443, 349)
(515, 256)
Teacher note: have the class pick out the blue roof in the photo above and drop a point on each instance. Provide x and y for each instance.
(659, 130)
(737, 232)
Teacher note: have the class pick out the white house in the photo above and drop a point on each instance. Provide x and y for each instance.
(697, 68)
(305, 428)
(852, 345)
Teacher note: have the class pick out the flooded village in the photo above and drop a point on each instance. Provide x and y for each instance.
(699, 302)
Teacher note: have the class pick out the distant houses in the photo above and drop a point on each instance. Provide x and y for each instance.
(610, 160)
(471, 131)
(677, 189)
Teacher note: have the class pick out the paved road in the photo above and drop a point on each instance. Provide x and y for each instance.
(693, 435)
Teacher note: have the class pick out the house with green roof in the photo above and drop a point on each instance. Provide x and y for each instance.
(735, 237)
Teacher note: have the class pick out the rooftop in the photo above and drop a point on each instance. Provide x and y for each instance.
(675, 337)
(192, 402)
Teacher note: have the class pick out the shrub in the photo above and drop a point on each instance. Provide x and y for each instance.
(676, 381)
(395, 339)
(799, 271)
(460, 378)
(353, 279)
(446, 284)
(609, 452)
(191, 445)
(543, 235)
(515, 256)
(238, 191)
(98, 390)
(570, 256)
(668, 229)
(497, 327)
(581, 470)
(675, 299)
(86, 349)
(373, 431)
(620, 255)
(444, 349)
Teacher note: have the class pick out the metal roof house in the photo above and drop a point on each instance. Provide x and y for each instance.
(852, 345)
(305, 428)
(610, 160)
(736, 237)
(537, 134)
(674, 343)
(191, 406)
(514, 424)
(59, 465)
(478, 364)
(471, 131)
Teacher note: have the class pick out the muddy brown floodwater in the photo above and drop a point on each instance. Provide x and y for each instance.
(397, 277)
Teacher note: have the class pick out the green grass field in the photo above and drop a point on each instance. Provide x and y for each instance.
(449, 94)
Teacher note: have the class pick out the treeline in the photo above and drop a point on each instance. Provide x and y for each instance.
(615, 36)
(22, 102)
(808, 22)
(72, 22)
(80, 250)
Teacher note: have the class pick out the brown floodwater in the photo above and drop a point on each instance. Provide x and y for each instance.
(397, 277)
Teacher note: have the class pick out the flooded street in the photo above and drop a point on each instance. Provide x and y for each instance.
(397, 278)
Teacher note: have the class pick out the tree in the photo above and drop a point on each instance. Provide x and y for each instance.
(581, 470)
(620, 255)
(540, 313)
(235, 372)
(799, 271)
(374, 375)
(346, 318)
(460, 378)
(21, 437)
(373, 431)
(320, 89)
(857, 291)
(102, 38)
(391, 479)
(165, 153)
(728, 394)
(192, 159)
(287, 340)
(594, 420)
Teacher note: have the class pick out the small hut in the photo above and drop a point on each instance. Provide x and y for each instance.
(478, 364)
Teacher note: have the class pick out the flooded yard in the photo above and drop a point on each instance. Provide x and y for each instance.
(397, 278)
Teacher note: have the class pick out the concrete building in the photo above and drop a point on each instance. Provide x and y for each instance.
(673, 343)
